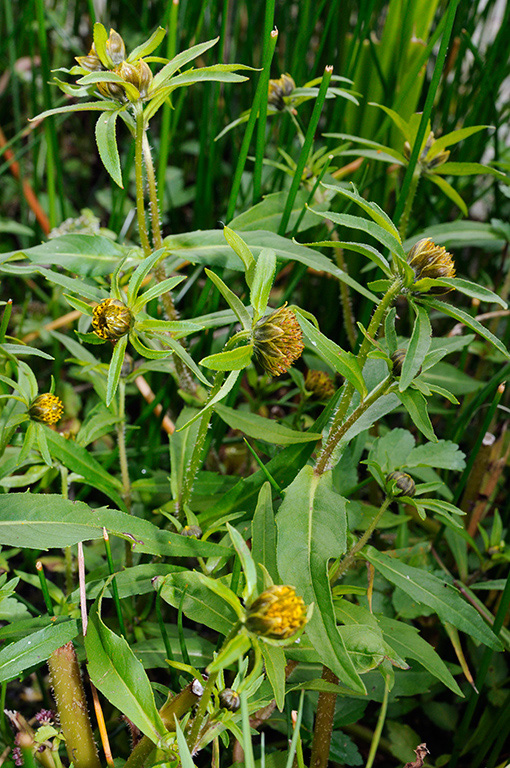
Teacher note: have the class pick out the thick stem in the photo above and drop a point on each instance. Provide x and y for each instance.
(373, 328)
(323, 723)
(72, 707)
(140, 206)
(153, 193)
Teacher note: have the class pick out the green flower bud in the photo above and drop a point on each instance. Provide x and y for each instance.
(278, 341)
(277, 613)
(193, 531)
(138, 74)
(46, 408)
(229, 700)
(111, 319)
(400, 484)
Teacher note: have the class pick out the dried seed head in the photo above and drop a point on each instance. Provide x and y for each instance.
(278, 341)
(277, 89)
(229, 700)
(46, 408)
(430, 260)
(111, 319)
(320, 384)
(400, 484)
(277, 613)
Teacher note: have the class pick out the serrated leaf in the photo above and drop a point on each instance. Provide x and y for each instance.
(471, 322)
(106, 139)
(231, 360)
(465, 286)
(416, 406)
(263, 277)
(442, 455)
(182, 58)
(374, 211)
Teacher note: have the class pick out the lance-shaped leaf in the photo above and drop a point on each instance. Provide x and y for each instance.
(182, 58)
(465, 286)
(438, 594)
(36, 648)
(311, 530)
(232, 300)
(261, 428)
(120, 676)
(416, 406)
(239, 246)
(231, 360)
(418, 347)
(263, 277)
(374, 211)
(106, 140)
(146, 48)
(115, 368)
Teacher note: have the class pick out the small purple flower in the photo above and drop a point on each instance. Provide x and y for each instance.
(45, 717)
(17, 756)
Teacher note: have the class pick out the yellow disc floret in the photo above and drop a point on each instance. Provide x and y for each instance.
(111, 319)
(278, 341)
(277, 613)
(46, 408)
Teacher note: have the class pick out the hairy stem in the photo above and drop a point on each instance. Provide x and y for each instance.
(336, 431)
(404, 221)
(323, 723)
(140, 205)
(348, 560)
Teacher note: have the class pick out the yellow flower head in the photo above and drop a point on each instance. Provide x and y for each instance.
(278, 341)
(277, 613)
(278, 89)
(111, 319)
(46, 408)
(430, 260)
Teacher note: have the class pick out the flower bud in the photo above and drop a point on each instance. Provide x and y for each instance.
(193, 531)
(278, 341)
(115, 47)
(277, 613)
(400, 484)
(278, 89)
(46, 408)
(320, 385)
(229, 700)
(139, 74)
(111, 319)
(397, 358)
(433, 261)
(91, 63)
(112, 91)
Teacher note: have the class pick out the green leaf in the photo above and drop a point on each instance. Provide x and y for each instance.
(198, 602)
(449, 191)
(340, 361)
(453, 138)
(466, 319)
(231, 360)
(19, 349)
(81, 461)
(106, 140)
(232, 300)
(261, 428)
(443, 455)
(408, 643)
(100, 40)
(230, 653)
(178, 328)
(146, 48)
(274, 663)
(84, 106)
(141, 272)
(311, 530)
(419, 345)
(75, 286)
(239, 246)
(263, 544)
(267, 214)
(400, 123)
(209, 247)
(120, 676)
(182, 58)
(179, 350)
(374, 211)
(115, 368)
(82, 254)
(365, 250)
(223, 392)
(469, 169)
(247, 563)
(35, 648)
(365, 225)
(263, 277)
(439, 595)
(43, 521)
(157, 290)
(416, 406)
(465, 286)
(459, 234)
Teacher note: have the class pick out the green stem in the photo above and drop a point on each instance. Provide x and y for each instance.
(115, 591)
(404, 221)
(153, 192)
(262, 120)
(121, 441)
(305, 150)
(140, 204)
(348, 560)
(378, 729)
(206, 698)
(164, 147)
(373, 328)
